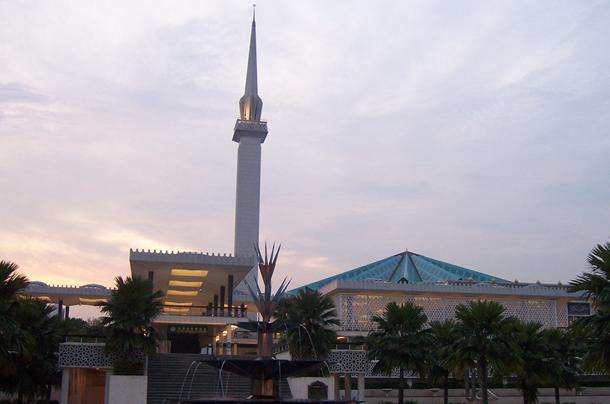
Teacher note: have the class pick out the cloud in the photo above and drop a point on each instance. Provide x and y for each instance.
(476, 134)
(18, 93)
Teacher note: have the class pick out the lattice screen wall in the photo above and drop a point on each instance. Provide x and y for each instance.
(86, 355)
(356, 311)
(83, 355)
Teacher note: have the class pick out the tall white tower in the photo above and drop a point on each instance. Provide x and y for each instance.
(250, 133)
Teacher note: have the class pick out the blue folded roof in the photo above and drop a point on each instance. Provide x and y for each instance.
(407, 267)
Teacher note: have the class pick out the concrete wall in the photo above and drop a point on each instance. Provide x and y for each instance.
(126, 389)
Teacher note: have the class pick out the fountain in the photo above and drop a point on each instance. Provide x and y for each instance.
(264, 370)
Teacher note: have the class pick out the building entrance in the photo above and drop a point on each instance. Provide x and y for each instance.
(184, 342)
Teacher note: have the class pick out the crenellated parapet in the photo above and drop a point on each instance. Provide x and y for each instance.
(189, 257)
(68, 295)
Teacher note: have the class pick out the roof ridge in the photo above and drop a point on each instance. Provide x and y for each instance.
(421, 278)
(402, 258)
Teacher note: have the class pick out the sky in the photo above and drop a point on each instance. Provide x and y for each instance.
(477, 133)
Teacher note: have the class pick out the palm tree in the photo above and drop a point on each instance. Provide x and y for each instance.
(130, 311)
(399, 341)
(595, 285)
(444, 335)
(35, 369)
(309, 318)
(563, 359)
(12, 339)
(484, 339)
(531, 370)
(11, 282)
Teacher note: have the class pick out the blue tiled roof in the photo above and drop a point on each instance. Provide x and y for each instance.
(407, 267)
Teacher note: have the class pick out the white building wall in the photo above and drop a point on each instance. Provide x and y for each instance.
(126, 389)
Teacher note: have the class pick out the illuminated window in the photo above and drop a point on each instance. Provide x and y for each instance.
(173, 292)
(184, 304)
(90, 301)
(186, 284)
(176, 309)
(197, 273)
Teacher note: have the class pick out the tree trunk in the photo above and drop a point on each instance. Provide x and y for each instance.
(401, 391)
(557, 400)
(446, 390)
(265, 344)
(467, 384)
(483, 369)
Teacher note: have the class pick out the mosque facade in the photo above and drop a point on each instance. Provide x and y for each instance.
(204, 297)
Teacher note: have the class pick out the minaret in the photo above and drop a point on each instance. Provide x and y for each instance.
(250, 133)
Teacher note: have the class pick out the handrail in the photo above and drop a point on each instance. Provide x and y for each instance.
(209, 310)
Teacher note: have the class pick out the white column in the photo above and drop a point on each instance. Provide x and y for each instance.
(247, 204)
(229, 329)
(247, 209)
(348, 387)
(361, 388)
(65, 385)
(336, 394)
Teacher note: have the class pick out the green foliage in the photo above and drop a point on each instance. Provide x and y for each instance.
(400, 341)
(11, 283)
(13, 341)
(309, 318)
(532, 369)
(563, 358)
(485, 340)
(444, 335)
(128, 366)
(129, 314)
(34, 369)
(595, 329)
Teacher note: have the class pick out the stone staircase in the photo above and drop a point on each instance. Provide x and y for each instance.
(166, 374)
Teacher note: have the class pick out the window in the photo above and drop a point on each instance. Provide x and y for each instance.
(577, 310)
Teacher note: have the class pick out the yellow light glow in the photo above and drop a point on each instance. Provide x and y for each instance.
(176, 309)
(183, 304)
(224, 333)
(197, 273)
(173, 292)
(233, 327)
(86, 300)
(44, 298)
(186, 284)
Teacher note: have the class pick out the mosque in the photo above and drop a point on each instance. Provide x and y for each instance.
(204, 297)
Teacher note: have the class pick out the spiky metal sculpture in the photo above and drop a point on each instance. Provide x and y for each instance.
(265, 301)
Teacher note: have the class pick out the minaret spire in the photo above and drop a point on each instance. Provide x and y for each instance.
(251, 105)
(250, 132)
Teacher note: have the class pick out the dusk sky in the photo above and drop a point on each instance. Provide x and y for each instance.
(476, 133)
